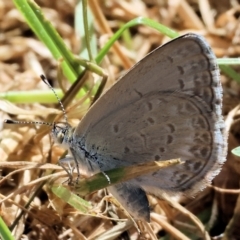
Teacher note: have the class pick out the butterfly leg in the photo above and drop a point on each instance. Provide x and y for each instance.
(69, 160)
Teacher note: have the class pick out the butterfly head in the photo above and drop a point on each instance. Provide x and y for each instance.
(62, 133)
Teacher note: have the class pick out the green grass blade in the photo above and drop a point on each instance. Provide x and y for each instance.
(236, 151)
(72, 199)
(5, 233)
(49, 36)
(137, 21)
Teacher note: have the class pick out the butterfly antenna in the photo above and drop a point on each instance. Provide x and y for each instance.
(8, 121)
(44, 79)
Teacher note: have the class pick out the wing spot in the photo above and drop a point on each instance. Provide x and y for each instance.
(138, 93)
(172, 128)
(202, 138)
(170, 59)
(150, 107)
(206, 137)
(197, 152)
(222, 130)
(143, 136)
(207, 94)
(162, 150)
(199, 122)
(115, 128)
(169, 139)
(215, 84)
(218, 101)
(157, 157)
(181, 83)
(151, 120)
(196, 166)
(126, 150)
(190, 108)
(180, 69)
(182, 178)
(204, 152)
(188, 164)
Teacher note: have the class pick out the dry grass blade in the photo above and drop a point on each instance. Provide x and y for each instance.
(169, 228)
(191, 216)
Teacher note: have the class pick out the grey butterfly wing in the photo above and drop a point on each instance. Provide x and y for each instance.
(164, 69)
(167, 106)
(133, 198)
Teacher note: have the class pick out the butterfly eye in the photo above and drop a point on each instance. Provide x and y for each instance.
(60, 136)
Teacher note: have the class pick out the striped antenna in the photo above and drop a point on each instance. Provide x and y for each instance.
(8, 121)
(59, 101)
(44, 79)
